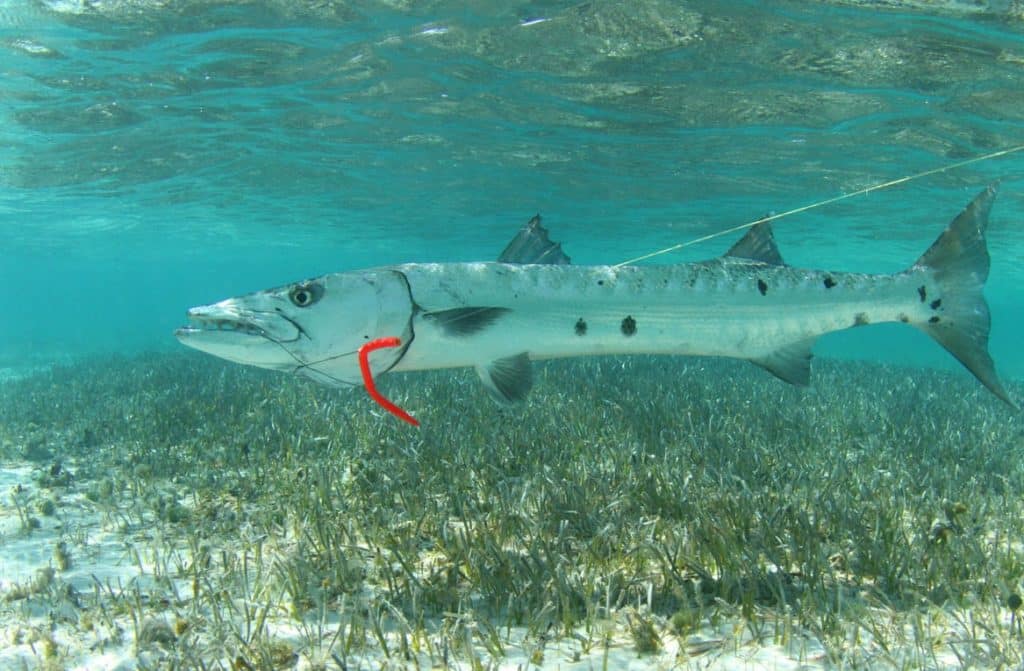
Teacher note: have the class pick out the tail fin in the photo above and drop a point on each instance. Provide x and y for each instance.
(959, 262)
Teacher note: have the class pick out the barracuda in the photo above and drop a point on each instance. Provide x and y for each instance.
(533, 304)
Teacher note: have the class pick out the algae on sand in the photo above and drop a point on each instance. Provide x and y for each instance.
(702, 504)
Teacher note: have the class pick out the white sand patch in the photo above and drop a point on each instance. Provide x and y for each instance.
(42, 586)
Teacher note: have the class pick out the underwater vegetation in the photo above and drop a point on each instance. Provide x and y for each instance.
(673, 509)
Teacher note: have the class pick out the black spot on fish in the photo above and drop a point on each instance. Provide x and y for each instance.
(628, 326)
(861, 319)
(903, 318)
(762, 286)
(581, 327)
(600, 283)
(933, 320)
(923, 293)
(829, 282)
(936, 304)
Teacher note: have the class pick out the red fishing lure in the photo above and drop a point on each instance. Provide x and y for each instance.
(371, 388)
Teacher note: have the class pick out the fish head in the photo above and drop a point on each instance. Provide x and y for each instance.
(313, 328)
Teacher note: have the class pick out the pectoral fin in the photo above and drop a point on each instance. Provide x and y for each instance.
(460, 322)
(791, 363)
(509, 379)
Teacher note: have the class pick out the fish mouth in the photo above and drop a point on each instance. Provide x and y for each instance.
(243, 336)
(200, 324)
(229, 324)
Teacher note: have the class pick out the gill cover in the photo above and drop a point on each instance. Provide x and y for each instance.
(365, 306)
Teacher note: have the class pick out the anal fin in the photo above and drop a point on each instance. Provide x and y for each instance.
(509, 379)
(791, 363)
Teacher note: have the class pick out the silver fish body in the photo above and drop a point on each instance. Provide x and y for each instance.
(726, 307)
(532, 304)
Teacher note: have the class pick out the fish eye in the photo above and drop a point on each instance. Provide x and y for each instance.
(304, 295)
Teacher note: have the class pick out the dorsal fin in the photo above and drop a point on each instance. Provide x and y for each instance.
(758, 245)
(532, 245)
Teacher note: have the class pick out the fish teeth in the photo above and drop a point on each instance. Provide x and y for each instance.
(226, 325)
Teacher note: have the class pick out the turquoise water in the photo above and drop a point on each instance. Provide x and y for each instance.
(155, 158)
(167, 509)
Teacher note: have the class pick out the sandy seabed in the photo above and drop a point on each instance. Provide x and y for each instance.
(168, 512)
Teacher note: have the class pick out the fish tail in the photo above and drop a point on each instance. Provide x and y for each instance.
(958, 262)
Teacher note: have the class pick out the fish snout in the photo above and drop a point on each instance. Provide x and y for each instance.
(219, 318)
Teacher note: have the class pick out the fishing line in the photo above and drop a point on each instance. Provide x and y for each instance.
(311, 364)
(821, 203)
